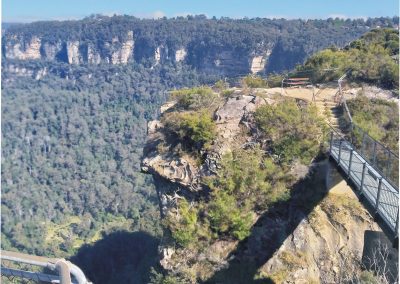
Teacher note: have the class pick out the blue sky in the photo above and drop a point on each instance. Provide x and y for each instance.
(33, 10)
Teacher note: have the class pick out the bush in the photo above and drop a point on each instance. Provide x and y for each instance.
(184, 228)
(274, 80)
(195, 98)
(379, 118)
(246, 183)
(292, 133)
(252, 81)
(369, 58)
(195, 130)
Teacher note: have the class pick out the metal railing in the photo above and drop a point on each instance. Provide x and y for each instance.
(380, 193)
(385, 161)
(57, 270)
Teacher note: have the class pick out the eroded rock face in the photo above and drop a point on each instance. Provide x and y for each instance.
(257, 64)
(178, 176)
(327, 244)
(73, 54)
(157, 54)
(230, 116)
(221, 60)
(124, 54)
(180, 55)
(93, 56)
(50, 51)
(24, 50)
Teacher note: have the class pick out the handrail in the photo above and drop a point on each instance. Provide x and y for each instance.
(64, 268)
(343, 137)
(379, 192)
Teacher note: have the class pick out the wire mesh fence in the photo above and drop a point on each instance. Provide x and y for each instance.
(13, 272)
(380, 157)
(382, 195)
(22, 273)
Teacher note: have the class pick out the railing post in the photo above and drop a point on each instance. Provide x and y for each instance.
(378, 195)
(352, 133)
(363, 176)
(363, 143)
(330, 144)
(351, 158)
(340, 150)
(396, 231)
(374, 155)
(389, 166)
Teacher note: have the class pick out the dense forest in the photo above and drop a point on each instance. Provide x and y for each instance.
(70, 156)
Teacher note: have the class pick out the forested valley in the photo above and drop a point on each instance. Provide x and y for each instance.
(72, 139)
(70, 158)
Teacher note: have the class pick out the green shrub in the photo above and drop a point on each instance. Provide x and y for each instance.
(195, 130)
(195, 98)
(226, 93)
(379, 118)
(369, 58)
(274, 80)
(184, 228)
(293, 133)
(252, 81)
(220, 85)
(246, 183)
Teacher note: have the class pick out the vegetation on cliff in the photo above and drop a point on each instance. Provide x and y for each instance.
(292, 133)
(378, 117)
(373, 59)
(248, 180)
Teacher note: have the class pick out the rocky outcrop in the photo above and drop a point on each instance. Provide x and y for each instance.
(73, 55)
(315, 237)
(178, 176)
(50, 50)
(24, 50)
(124, 54)
(180, 55)
(257, 64)
(230, 116)
(173, 168)
(93, 57)
(329, 244)
(157, 54)
(16, 70)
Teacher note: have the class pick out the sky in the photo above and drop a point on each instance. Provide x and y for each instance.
(34, 10)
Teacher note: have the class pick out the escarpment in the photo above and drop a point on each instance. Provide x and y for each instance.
(235, 207)
(220, 47)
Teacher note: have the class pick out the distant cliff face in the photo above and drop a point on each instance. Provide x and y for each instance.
(224, 46)
(221, 61)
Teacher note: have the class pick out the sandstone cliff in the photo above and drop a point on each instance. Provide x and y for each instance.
(317, 236)
(115, 51)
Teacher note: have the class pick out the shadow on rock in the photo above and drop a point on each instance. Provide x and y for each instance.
(273, 228)
(119, 257)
